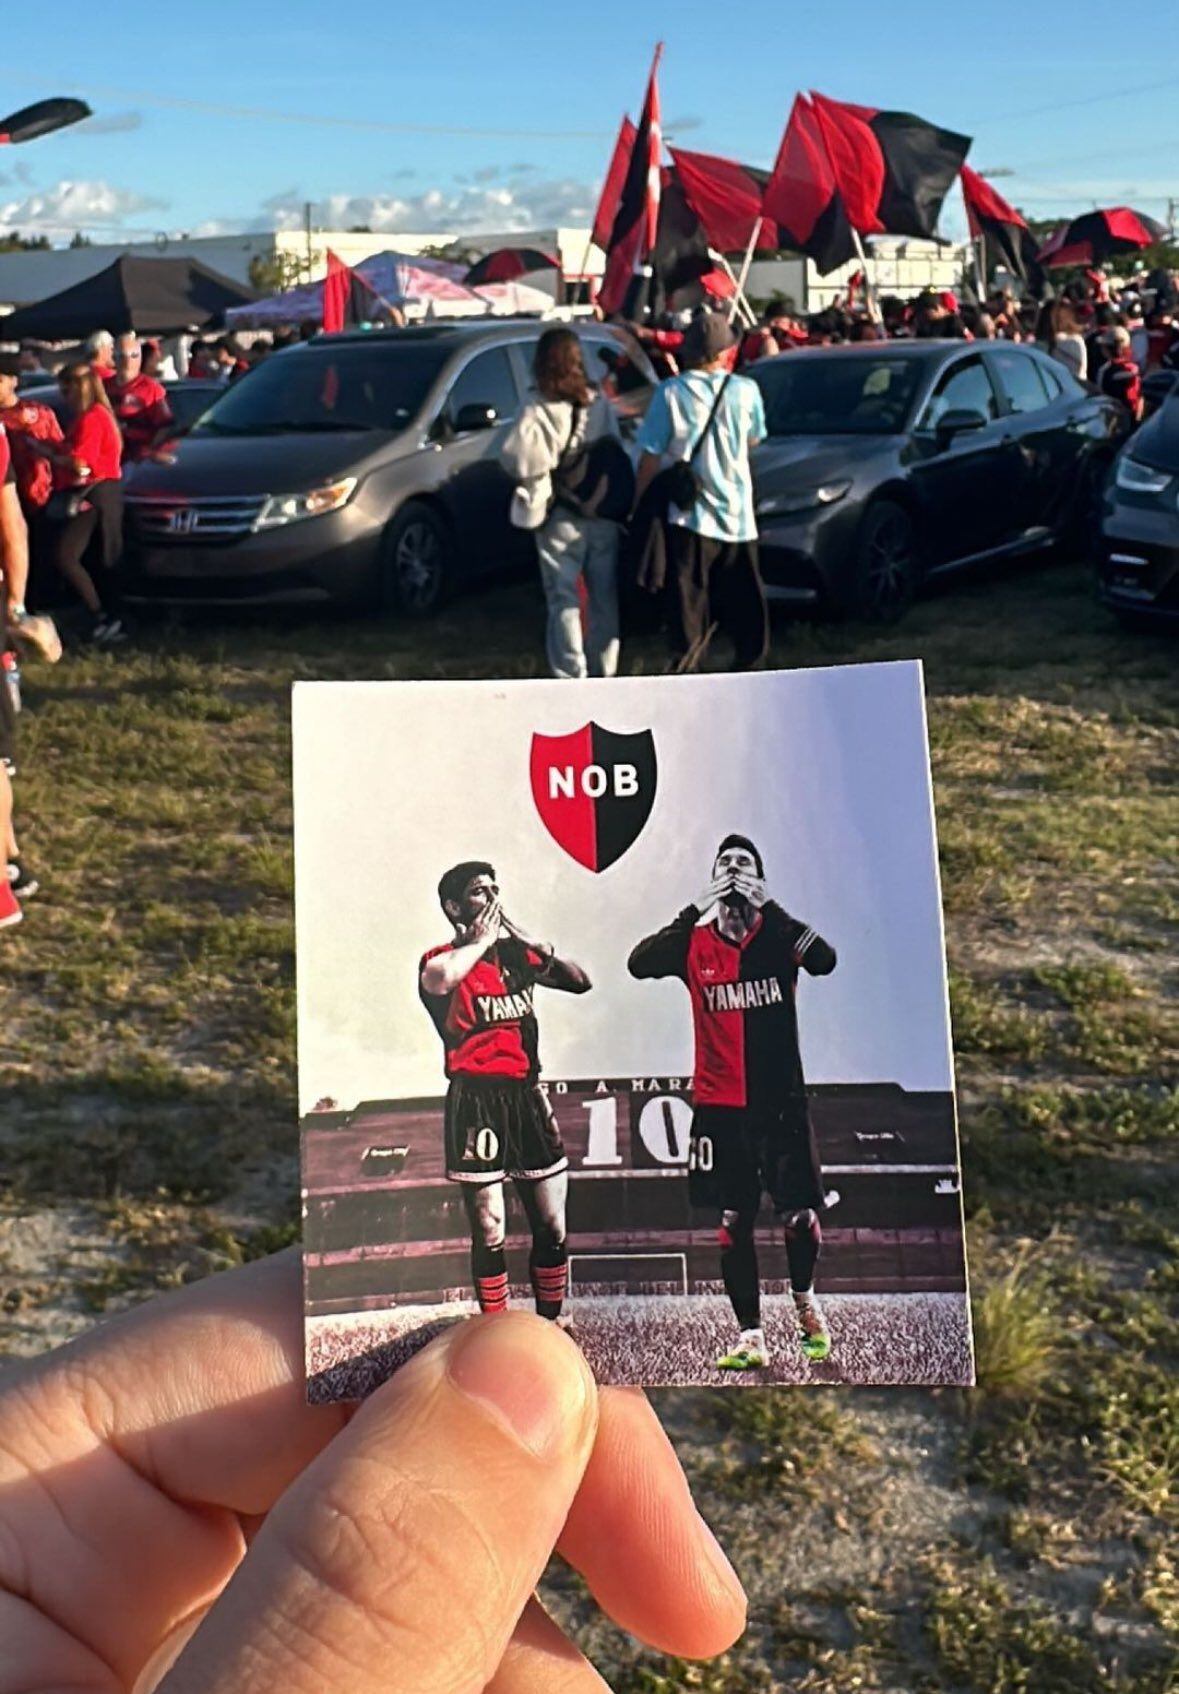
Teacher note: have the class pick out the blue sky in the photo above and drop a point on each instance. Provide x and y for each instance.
(1073, 99)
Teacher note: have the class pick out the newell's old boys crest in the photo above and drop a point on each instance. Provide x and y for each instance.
(594, 790)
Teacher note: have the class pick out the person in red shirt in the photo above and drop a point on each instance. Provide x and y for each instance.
(13, 559)
(88, 511)
(478, 989)
(32, 427)
(100, 354)
(17, 629)
(139, 402)
(1120, 376)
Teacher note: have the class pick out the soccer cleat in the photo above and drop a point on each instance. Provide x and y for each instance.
(10, 911)
(750, 1353)
(816, 1337)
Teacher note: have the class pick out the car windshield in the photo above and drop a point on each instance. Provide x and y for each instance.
(324, 389)
(807, 394)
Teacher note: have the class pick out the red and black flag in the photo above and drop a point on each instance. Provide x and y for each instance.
(509, 264)
(893, 170)
(1002, 228)
(636, 222)
(612, 187)
(802, 196)
(682, 254)
(41, 118)
(1095, 237)
(727, 198)
(347, 298)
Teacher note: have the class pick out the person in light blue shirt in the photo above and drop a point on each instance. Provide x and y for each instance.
(711, 544)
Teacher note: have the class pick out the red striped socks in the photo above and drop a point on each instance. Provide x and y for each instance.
(549, 1281)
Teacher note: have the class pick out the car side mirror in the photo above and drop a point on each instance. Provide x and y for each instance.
(477, 415)
(957, 422)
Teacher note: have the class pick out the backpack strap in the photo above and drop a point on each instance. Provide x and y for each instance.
(703, 436)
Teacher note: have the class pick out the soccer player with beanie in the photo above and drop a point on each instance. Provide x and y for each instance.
(739, 955)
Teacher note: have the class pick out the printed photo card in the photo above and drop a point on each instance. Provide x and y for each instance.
(625, 1002)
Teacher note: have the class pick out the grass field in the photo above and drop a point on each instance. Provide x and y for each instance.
(1020, 1537)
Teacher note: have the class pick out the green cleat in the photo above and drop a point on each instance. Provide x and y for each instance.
(750, 1353)
(816, 1337)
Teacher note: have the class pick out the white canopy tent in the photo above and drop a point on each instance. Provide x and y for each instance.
(420, 288)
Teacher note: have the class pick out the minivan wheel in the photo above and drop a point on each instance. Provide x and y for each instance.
(887, 566)
(416, 562)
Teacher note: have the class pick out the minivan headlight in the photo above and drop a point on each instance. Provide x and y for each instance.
(1137, 478)
(291, 508)
(826, 494)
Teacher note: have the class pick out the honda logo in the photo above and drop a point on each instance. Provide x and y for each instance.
(182, 522)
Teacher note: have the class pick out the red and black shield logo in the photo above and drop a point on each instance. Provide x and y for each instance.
(594, 790)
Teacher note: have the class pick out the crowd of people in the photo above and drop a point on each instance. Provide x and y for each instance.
(1108, 332)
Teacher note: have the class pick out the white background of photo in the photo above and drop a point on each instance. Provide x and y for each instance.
(827, 770)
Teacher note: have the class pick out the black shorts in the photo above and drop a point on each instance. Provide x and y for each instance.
(737, 1154)
(498, 1127)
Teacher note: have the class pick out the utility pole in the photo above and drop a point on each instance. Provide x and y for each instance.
(307, 233)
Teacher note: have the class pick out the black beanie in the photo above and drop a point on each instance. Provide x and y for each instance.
(741, 841)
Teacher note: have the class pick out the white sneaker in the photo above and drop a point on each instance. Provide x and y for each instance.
(750, 1353)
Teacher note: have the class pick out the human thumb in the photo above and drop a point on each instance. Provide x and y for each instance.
(401, 1559)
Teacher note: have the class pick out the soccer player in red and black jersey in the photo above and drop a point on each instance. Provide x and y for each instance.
(478, 989)
(751, 1128)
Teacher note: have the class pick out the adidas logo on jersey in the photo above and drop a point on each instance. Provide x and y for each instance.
(743, 996)
(504, 1008)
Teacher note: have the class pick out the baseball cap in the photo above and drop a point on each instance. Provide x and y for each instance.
(706, 338)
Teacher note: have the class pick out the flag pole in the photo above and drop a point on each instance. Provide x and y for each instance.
(743, 278)
(738, 293)
(869, 286)
(980, 259)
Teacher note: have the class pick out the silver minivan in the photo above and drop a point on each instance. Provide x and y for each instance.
(361, 467)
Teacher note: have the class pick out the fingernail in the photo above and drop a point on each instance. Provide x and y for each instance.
(526, 1377)
(718, 1559)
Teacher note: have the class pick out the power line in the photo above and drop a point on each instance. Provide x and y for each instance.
(266, 114)
(1083, 100)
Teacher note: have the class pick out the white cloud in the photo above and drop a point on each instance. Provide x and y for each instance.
(75, 205)
(525, 201)
(509, 207)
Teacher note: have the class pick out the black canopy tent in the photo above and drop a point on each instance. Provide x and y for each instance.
(154, 296)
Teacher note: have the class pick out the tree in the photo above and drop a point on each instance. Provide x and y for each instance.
(274, 273)
(80, 240)
(14, 242)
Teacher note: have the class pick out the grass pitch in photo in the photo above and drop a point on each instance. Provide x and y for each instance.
(721, 1148)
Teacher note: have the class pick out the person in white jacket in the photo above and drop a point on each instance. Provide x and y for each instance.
(562, 417)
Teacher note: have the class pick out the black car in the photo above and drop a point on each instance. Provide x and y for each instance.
(887, 463)
(361, 467)
(1138, 572)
